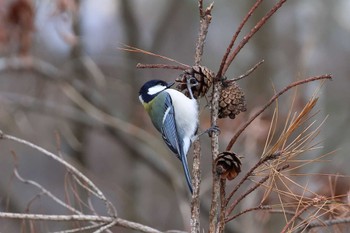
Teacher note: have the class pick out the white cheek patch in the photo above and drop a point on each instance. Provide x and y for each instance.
(155, 89)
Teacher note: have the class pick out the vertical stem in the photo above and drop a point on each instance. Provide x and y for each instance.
(215, 152)
(205, 18)
(223, 201)
(196, 180)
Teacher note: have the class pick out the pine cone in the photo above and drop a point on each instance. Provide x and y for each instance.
(232, 100)
(204, 77)
(228, 165)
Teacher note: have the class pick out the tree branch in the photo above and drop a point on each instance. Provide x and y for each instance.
(252, 118)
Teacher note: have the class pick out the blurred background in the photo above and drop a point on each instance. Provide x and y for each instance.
(67, 86)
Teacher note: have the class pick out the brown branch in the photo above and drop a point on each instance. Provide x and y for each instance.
(234, 38)
(250, 210)
(266, 208)
(161, 66)
(300, 212)
(325, 223)
(250, 190)
(215, 152)
(200, 7)
(205, 19)
(251, 70)
(221, 224)
(250, 172)
(251, 34)
(243, 127)
(196, 180)
(84, 218)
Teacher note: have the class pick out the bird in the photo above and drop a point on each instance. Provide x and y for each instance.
(174, 115)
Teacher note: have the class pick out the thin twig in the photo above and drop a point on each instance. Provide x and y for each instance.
(161, 66)
(251, 70)
(329, 222)
(205, 19)
(250, 172)
(250, 190)
(266, 208)
(107, 226)
(300, 212)
(100, 195)
(200, 7)
(244, 126)
(81, 229)
(137, 50)
(250, 210)
(234, 38)
(46, 192)
(83, 218)
(251, 34)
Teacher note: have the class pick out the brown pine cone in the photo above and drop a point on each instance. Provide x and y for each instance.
(228, 165)
(232, 100)
(204, 77)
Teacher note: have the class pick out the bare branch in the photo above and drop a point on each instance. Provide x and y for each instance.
(250, 190)
(161, 66)
(48, 193)
(300, 212)
(215, 152)
(244, 126)
(234, 38)
(81, 229)
(205, 19)
(329, 222)
(100, 195)
(137, 50)
(251, 70)
(251, 33)
(84, 218)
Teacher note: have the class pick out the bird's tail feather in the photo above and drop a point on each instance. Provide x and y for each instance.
(187, 172)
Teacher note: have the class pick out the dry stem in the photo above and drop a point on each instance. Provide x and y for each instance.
(161, 66)
(205, 19)
(234, 38)
(244, 126)
(251, 33)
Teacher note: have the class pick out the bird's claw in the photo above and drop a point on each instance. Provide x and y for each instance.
(213, 129)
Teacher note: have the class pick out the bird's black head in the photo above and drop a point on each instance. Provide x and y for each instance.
(151, 89)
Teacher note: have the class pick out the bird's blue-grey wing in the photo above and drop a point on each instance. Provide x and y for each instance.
(171, 138)
(169, 131)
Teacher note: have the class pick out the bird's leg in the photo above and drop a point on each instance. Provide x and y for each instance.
(191, 82)
(209, 131)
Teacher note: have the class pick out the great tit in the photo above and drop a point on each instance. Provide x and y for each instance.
(174, 115)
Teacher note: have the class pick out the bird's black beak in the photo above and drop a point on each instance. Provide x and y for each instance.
(170, 84)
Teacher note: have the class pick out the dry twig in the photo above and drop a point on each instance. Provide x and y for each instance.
(244, 126)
